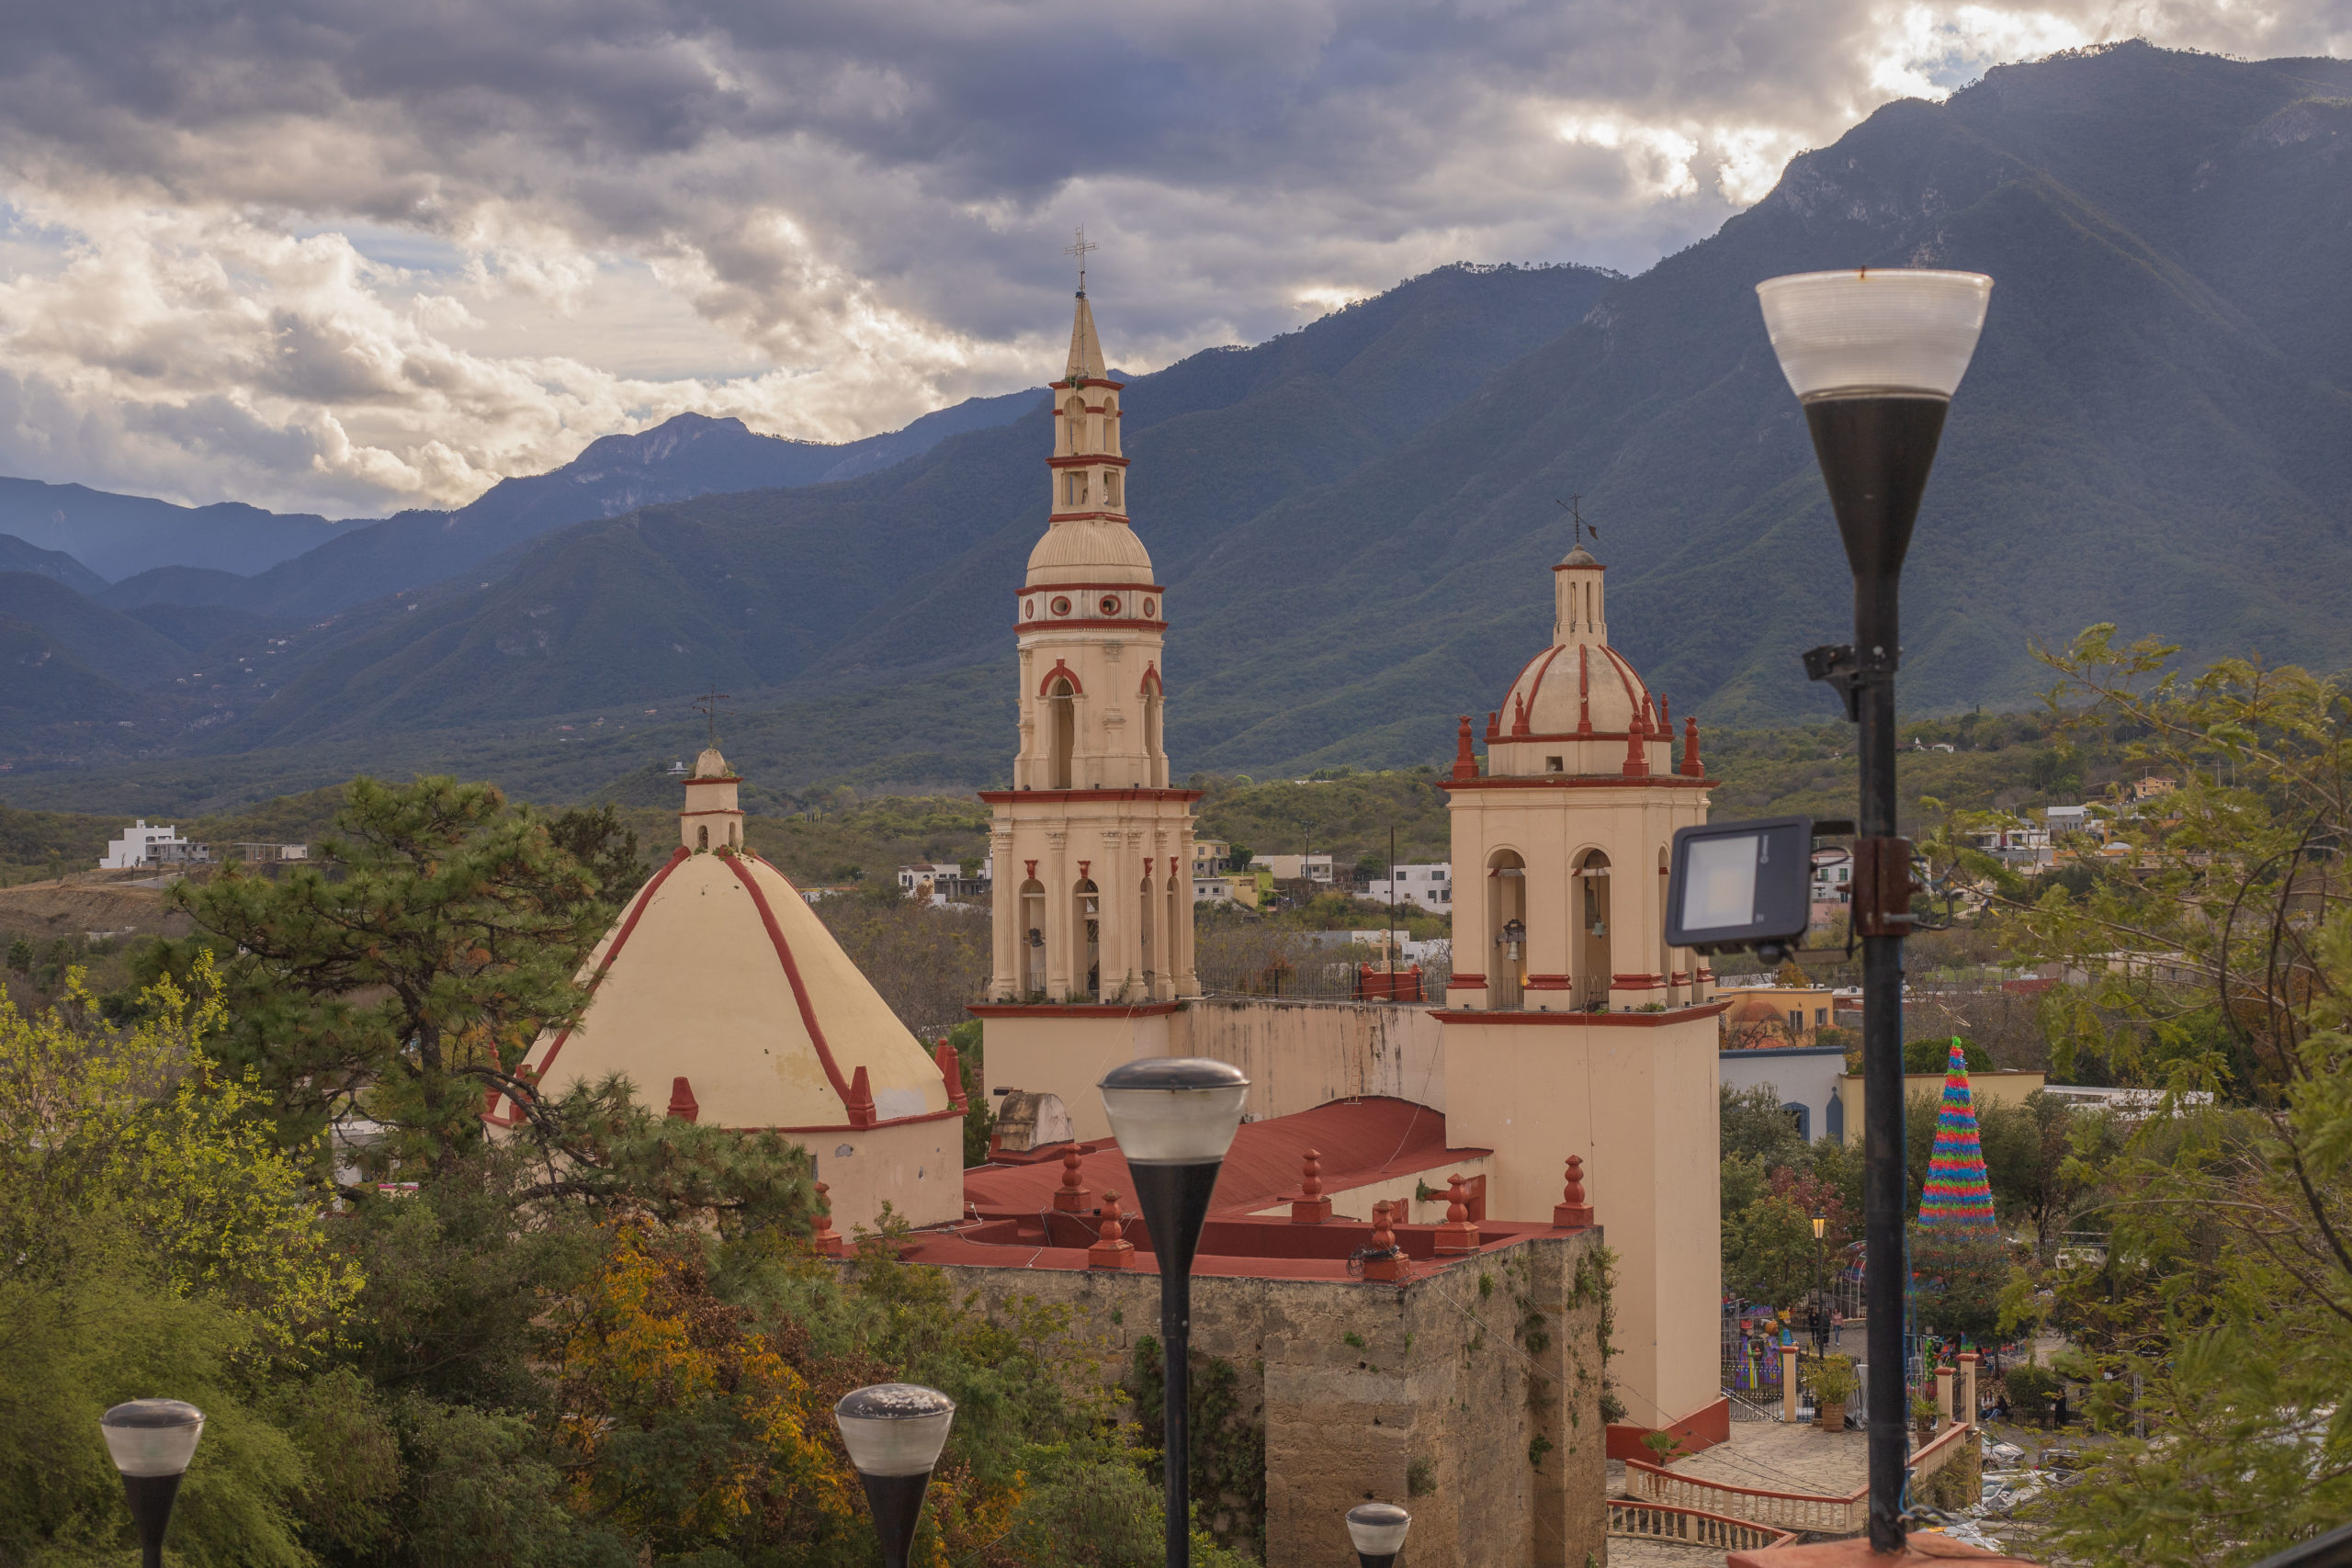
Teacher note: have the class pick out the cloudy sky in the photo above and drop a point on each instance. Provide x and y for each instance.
(346, 255)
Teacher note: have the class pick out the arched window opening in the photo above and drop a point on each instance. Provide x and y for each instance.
(701, 835)
(1150, 956)
(735, 835)
(1032, 938)
(1061, 732)
(1590, 899)
(1151, 701)
(1111, 488)
(1087, 923)
(1074, 421)
(1507, 959)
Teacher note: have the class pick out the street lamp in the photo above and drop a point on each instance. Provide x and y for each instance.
(894, 1432)
(1820, 1285)
(1174, 1117)
(152, 1442)
(1876, 357)
(1378, 1531)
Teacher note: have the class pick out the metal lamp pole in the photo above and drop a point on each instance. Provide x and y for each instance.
(1174, 1117)
(1820, 1285)
(1875, 357)
(894, 1432)
(152, 1442)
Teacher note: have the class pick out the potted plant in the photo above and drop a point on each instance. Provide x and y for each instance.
(1923, 1413)
(1833, 1385)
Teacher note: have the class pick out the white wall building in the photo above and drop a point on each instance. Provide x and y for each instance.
(1295, 868)
(1804, 1077)
(1431, 886)
(130, 851)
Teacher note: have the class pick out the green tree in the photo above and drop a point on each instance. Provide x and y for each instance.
(604, 845)
(416, 973)
(2226, 1298)
(1754, 1123)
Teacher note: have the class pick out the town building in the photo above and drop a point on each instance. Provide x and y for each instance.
(1295, 868)
(719, 996)
(1428, 887)
(1805, 1079)
(2006, 1086)
(141, 845)
(942, 884)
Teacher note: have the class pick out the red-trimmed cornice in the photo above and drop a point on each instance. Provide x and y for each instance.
(1580, 566)
(1014, 797)
(1054, 517)
(1069, 1009)
(1089, 587)
(1067, 385)
(1085, 462)
(1582, 780)
(1531, 739)
(716, 811)
(1598, 1019)
(714, 778)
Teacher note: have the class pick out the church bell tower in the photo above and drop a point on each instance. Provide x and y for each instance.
(1093, 850)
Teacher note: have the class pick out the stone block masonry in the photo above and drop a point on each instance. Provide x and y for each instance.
(1470, 1393)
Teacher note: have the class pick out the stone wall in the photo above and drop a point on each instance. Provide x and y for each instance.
(1470, 1394)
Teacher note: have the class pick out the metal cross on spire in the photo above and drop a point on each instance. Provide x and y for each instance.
(1078, 250)
(709, 708)
(1572, 507)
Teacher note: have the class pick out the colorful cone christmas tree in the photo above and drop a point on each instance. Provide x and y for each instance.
(1957, 1197)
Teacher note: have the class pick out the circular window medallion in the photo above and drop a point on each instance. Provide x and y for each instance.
(1110, 605)
(1061, 606)
(1149, 609)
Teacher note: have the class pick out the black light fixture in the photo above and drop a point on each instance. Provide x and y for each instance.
(1174, 1117)
(894, 1432)
(152, 1442)
(1377, 1529)
(1875, 357)
(1820, 1225)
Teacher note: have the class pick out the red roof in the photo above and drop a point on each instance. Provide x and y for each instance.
(1361, 1141)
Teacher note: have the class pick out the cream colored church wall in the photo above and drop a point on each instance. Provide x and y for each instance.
(917, 1167)
(1638, 1102)
(1302, 1055)
(1297, 1054)
(1067, 1050)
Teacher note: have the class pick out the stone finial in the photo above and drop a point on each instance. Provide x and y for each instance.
(1465, 761)
(1519, 715)
(1637, 761)
(1573, 1212)
(1493, 726)
(1665, 719)
(1691, 764)
(1070, 1198)
(1310, 1207)
(860, 1104)
(1458, 1234)
(682, 1104)
(1111, 1249)
(828, 1241)
(951, 1067)
(1391, 1267)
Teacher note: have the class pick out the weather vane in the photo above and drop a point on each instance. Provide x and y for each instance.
(1582, 528)
(1079, 250)
(709, 708)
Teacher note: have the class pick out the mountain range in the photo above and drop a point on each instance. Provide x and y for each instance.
(1354, 520)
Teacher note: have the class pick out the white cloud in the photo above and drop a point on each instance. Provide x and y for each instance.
(338, 255)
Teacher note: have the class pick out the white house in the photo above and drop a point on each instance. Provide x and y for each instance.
(1804, 1077)
(130, 851)
(1431, 886)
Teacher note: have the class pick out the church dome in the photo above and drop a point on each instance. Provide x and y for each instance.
(1569, 689)
(1088, 551)
(719, 990)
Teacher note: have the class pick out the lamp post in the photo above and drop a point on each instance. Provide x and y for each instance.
(894, 1432)
(1379, 1531)
(1820, 1285)
(1174, 1118)
(1876, 357)
(152, 1442)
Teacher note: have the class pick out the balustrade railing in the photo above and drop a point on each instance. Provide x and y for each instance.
(1692, 1527)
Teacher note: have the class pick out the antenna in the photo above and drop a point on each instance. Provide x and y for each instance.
(709, 708)
(1079, 250)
